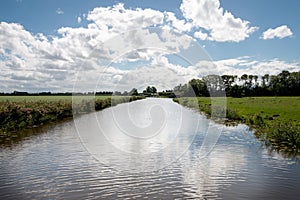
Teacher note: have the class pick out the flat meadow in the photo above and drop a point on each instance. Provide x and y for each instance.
(276, 120)
(23, 112)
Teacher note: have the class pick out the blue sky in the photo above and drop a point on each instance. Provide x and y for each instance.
(234, 33)
(41, 16)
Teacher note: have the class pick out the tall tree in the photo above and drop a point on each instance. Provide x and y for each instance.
(133, 92)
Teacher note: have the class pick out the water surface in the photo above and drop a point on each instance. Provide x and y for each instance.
(144, 150)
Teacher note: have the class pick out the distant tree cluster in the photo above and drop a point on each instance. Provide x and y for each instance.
(150, 89)
(133, 92)
(104, 93)
(284, 84)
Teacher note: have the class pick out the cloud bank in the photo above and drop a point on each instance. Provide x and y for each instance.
(142, 40)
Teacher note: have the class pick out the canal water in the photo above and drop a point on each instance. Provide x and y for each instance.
(147, 149)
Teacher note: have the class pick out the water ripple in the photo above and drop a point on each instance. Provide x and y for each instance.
(54, 165)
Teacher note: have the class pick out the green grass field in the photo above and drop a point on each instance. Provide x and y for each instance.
(285, 109)
(21, 112)
(277, 119)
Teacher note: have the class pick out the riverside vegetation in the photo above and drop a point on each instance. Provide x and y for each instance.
(275, 120)
(270, 104)
(21, 112)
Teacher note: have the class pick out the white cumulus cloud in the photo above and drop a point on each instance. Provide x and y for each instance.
(120, 19)
(222, 25)
(37, 62)
(279, 32)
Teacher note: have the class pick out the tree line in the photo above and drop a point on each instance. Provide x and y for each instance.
(149, 91)
(284, 84)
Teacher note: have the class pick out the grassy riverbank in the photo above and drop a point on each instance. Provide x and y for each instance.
(21, 112)
(274, 119)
